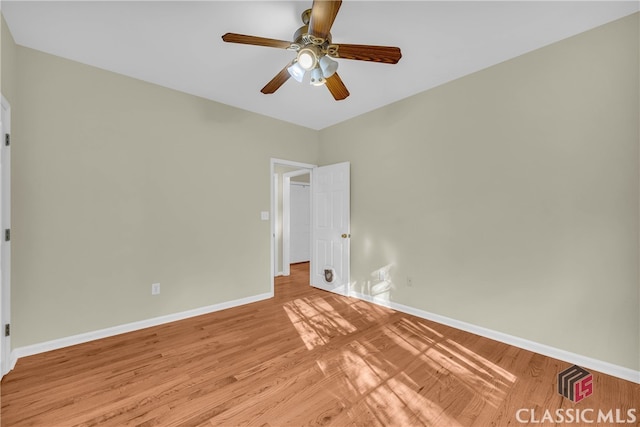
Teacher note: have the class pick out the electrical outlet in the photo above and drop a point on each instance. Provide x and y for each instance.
(155, 288)
(409, 281)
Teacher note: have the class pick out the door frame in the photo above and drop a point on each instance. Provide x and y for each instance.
(274, 214)
(6, 364)
(286, 217)
(273, 194)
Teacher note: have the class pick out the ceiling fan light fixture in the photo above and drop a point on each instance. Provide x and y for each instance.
(296, 71)
(307, 58)
(328, 66)
(317, 79)
(315, 52)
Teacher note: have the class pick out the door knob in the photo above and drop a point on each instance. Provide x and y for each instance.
(344, 236)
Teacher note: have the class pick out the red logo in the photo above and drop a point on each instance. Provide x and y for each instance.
(575, 383)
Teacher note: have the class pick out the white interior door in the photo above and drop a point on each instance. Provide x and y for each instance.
(330, 231)
(5, 243)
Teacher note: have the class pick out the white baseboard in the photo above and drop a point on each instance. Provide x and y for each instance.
(556, 353)
(31, 350)
(577, 359)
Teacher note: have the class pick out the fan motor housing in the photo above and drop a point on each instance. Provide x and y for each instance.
(303, 38)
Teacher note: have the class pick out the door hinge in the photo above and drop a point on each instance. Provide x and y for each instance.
(7, 235)
(7, 330)
(7, 139)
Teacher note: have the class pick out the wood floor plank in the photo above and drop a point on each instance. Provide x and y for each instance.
(304, 357)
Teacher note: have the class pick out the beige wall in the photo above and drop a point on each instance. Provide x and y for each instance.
(118, 184)
(510, 196)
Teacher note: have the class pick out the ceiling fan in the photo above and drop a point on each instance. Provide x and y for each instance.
(315, 51)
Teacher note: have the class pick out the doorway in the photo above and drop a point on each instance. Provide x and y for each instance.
(329, 188)
(281, 171)
(299, 221)
(295, 221)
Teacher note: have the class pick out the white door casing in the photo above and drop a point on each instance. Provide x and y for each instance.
(330, 230)
(275, 258)
(5, 244)
(286, 212)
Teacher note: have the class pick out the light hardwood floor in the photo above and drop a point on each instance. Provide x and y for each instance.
(305, 357)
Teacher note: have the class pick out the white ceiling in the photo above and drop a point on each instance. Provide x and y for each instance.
(177, 44)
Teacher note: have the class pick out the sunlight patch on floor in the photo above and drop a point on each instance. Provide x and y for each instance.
(396, 394)
(369, 352)
(394, 397)
(470, 371)
(410, 335)
(491, 369)
(368, 311)
(316, 321)
(440, 354)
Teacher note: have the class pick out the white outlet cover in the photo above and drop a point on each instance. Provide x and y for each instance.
(155, 288)
(264, 215)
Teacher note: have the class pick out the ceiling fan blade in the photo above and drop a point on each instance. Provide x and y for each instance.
(364, 52)
(254, 40)
(277, 81)
(323, 13)
(337, 87)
